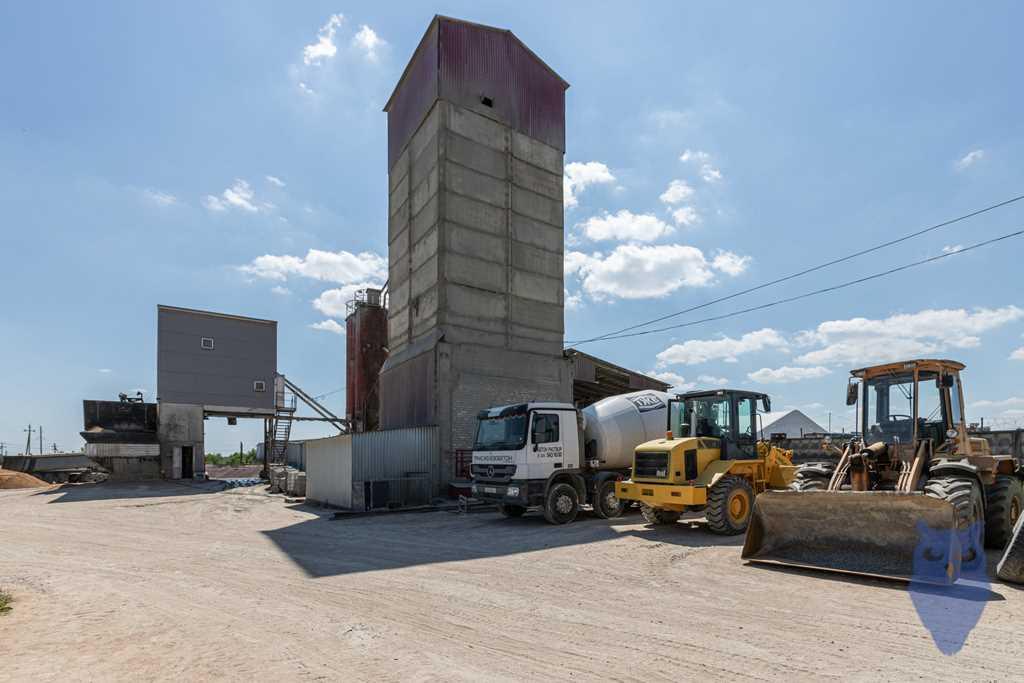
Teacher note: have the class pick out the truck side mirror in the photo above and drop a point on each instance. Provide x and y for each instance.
(947, 381)
(851, 394)
(766, 404)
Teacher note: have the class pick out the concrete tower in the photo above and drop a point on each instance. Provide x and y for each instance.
(476, 138)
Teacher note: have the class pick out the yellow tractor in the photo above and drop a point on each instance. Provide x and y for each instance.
(913, 497)
(709, 461)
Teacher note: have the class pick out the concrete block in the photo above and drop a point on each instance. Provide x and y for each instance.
(423, 278)
(398, 326)
(539, 346)
(476, 156)
(475, 272)
(398, 196)
(526, 257)
(398, 249)
(537, 153)
(537, 314)
(547, 237)
(477, 128)
(398, 220)
(474, 243)
(422, 193)
(537, 180)
(398, 296)
(465, 334)
(522, 331)
(469, 183)
(537, 207)
(427, 130)
(475, 303)
(423, 326)
(538, 287)
(424, 221)
(477, 215)
(424, 306)
(398, 170)
(423, 164)
(509, 363)
(424, 249)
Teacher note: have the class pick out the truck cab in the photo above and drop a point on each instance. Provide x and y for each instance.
(519, 447)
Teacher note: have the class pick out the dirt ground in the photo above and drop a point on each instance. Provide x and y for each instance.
(167, 581)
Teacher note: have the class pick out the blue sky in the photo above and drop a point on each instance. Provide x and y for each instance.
(152, 153)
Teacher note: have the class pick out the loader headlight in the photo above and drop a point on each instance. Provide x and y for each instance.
(512, 492)
(952, 434)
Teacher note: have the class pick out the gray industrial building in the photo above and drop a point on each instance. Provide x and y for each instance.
(476, 137)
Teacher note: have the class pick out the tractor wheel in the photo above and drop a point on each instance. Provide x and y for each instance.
(511, 510)
(562, 504)
(730, 501)
(657, 516)
(964, 494)
(606, 504)
(1004, 501)
(812, 476)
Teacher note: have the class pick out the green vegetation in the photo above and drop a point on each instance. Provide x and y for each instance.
(234, 460)
(5, 602)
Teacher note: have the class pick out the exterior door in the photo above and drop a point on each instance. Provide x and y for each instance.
(746, 430)
(546, 448)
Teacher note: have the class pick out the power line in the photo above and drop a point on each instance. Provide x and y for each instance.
(329, 393)
(823, 290)
(801, 273)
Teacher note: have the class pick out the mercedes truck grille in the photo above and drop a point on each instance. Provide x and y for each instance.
(493, 472)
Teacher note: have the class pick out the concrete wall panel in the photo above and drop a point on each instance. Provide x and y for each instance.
(537, 207)
(475, 303)
(477, 215)
(537, 153)
(469, 183)
(548, 237)
(424, 277)
(538, 287)
(463, 240)
(525, 257)
(477, 128)
(475, 273)
(480, 158)
(537, 179)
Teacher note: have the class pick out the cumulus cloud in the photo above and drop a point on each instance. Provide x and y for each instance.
(1012, 402)
(634, 271)
(927, 332)
(329, 326)
(305, 89)
(280, 291)
(572, 301)
(786, 374)
(274, 180)
(730, 263)
(952, 248)
(686, 216)
(342, 267)
(675, 381)
(1018, 354)
(625, 225)
(160, 198)
(727, 349)
(239, 196)
(324, 47)
(368, 42)
(332, 302)
(708, 172)
(580, 175)
(969, 159)
(677, 191)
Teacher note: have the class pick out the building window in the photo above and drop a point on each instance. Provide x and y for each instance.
(206, 343)
(259, 386)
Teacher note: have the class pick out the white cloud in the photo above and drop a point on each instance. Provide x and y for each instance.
(686, 215)
(713, 381)
(730, 263)
(280, 291)
(274, 180)
(239, 196)
(969, 159)
(694, 155)
(333, 301)
(952, 248)
(160, 198)
(909, 335)
(324, 47)
(579, 175)
(625, 225)
(342, 267)
(675, 381)
(708, 172)
(1012, 402)
(786, 374)
(728, 349)
(572, 301)
(329, 326)
(367, 40)
(575, 261)
(1018, 354)
(105, 371)
(305, 89)
(633, 271)
(676, 192)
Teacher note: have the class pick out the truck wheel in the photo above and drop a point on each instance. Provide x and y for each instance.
(730, 501)
(606, 504)
(656, 516)
(511, 510)
(812, 476)
(1003, 503)
(964, 494)
(562, 504)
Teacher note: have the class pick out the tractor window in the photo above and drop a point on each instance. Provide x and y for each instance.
(889, 408)
(954, 401)
(745, 419)
(710, 415)
(929, 401)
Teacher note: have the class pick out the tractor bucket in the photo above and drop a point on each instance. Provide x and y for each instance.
(905, 536)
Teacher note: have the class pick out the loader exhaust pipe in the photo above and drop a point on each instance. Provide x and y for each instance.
(903, 536)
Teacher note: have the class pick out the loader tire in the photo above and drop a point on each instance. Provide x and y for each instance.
(964, 494)
(730, 501)
(511, 510)
(606, 504)
(812, 476)
(1003, 503)
(562, 504)
(656, 516)
(1011, 565)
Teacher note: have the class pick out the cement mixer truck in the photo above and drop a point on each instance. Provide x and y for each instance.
(558, 458)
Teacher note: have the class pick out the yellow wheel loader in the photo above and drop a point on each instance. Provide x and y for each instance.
(710, 460)
(913, 497)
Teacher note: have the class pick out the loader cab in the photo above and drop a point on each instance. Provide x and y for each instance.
(724, 414)
(904, 403)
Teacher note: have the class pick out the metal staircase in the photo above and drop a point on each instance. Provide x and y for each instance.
(279, 427)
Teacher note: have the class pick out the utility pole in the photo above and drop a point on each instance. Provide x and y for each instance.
(28, 441)
(40, 439)
(830, 422)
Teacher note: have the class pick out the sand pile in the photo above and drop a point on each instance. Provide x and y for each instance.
(9, 479)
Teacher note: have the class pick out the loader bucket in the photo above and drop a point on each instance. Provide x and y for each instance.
(906, 536)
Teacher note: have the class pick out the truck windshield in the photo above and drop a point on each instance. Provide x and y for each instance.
(889, 407)
(501, 433)
(704, 416)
